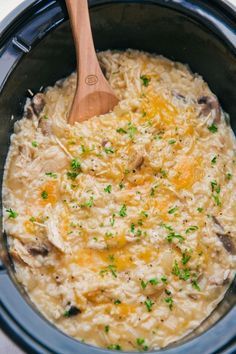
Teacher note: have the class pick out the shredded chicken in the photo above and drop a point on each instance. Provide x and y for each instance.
(53, 233)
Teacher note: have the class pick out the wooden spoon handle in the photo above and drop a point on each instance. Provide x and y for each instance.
(87, 64)
(93, 94)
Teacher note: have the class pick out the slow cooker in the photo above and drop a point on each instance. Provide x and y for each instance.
(36, 49)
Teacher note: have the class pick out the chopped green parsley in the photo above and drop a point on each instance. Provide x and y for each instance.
(167, 227)
(163, 173)
(153, 281)
(152, 192)
(121, 131)
(75, 165)
(108, 189)
(12, 214)
(111, 257)
(117, 302)
(108, 234)
(213, 128)
(191, 228)
(51, 174)
(123, 211)
(121, 185)
(164, 279)
(84, 149)
(143, 284)
(132, 228)
(175, 269)
(213, 161)
(114, 347)
(141, 343)
(145, 80)
(88, 204)
(149, 304)
(132, 130)
(44, 194)
(108, 150)
(168, 292)
(169, 300)
(110, 268)
(195, 285)
(173, 235)
(216, 199)
(72, 175)
(215, 188)
(112, 220)
(35, 144)
(185, 257)
(76, 169)
(107, 328)
(171, 141)
(144, 213)
(172, 210)
(183, 274)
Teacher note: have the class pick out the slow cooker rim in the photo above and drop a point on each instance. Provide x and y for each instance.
(31, 3)
(225, 6)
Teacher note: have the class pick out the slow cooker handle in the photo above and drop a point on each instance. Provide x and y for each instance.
(4, 256)
(2, 267)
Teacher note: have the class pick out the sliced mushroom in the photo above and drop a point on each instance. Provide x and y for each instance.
(224, 237)
(136, 161)
(29, 112)
(38, 250)
(216, 221)
(227, 242)
(72, 311)
(193, 296)
(221, 278)
(104, 142)
(210, 104)
(20, 253)
(179, 96)
(45, 126)
(60, 83)
(38, 103)
(25, 152)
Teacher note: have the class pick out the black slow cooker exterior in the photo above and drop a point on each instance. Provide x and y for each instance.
(36, 49)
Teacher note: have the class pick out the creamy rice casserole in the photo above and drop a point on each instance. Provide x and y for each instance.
(122, 228)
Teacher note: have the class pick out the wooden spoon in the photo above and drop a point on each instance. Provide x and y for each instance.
(93, 94)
